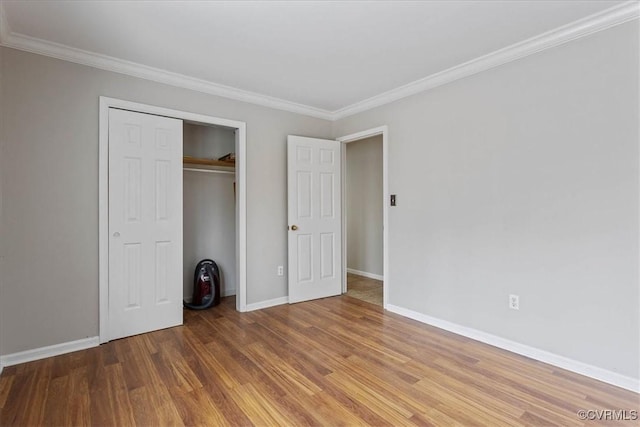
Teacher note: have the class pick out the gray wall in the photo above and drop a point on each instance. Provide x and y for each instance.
(364, 205)
(523, 180)
(49, 175)
(209, 142)
(209, 215)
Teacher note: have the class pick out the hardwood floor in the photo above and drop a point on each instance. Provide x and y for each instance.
(336, 361)
(364, 289)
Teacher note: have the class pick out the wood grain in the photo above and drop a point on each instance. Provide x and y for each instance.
(332, 362)
(188, 160)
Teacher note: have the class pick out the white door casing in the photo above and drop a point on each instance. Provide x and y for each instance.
(145, 223)
(314, 216)
(383, 131)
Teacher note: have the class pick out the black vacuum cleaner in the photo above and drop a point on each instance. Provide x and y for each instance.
(206, 286)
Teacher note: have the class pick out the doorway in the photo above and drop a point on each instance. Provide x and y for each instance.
(107, 104)
(208, 202)
(366, 284)
(363, 192)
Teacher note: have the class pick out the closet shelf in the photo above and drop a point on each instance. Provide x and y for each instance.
(209, 164)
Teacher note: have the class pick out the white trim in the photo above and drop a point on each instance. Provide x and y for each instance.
(619, 380)
(384, 131)
(49, 351)
(583, 27)
(365, 274)
(116, 65)
(566, 33)
(103, 220)
(241, 221)
(267, 303)
(103, 192)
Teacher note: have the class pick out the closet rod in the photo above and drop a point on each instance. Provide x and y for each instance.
(208, 171)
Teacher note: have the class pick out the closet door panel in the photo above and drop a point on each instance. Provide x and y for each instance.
(145, 223)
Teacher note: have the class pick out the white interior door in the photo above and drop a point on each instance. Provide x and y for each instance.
(314, 214)
(145, 223)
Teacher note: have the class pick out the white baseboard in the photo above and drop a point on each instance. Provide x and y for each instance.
(365, 274)
(628, 383)
(228, 292)
(267, 304)
(49, 351)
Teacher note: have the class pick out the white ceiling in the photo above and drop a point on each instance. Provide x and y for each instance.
(321, 54)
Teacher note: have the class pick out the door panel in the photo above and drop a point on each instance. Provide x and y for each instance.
(145, 223)
(314, 197)
(327, 255)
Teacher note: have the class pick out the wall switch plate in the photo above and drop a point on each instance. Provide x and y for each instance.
(514, 302)
(280, 270)
(393, 200)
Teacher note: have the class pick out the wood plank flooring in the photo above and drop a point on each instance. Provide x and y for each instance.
(336, 361)
(365, 289)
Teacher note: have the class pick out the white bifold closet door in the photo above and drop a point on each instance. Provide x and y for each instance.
(145, 223)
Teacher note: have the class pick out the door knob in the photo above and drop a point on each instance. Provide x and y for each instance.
(116, 234)
(294, 227)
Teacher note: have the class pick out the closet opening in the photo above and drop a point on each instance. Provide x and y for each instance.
(209, 203)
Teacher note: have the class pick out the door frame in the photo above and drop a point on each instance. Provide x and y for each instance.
(103, 197)
(344, 140)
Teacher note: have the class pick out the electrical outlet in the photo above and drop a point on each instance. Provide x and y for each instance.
(514, 302)
(280, 270)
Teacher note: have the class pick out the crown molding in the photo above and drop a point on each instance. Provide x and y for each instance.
(591, 24)
(583, 27)
(109, 63)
